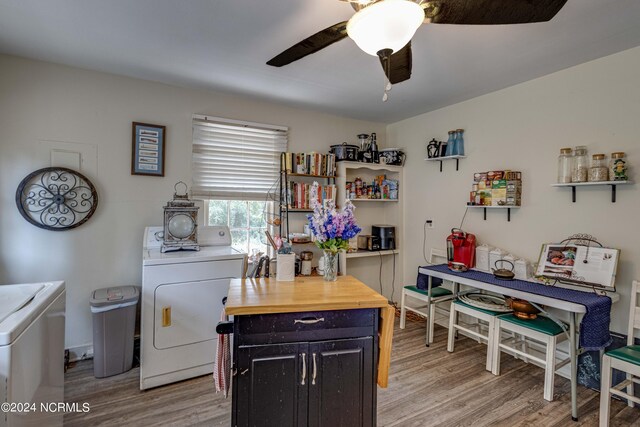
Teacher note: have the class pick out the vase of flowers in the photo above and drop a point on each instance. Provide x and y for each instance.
(331, 228)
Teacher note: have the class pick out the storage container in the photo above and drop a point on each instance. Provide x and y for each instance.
(495, 255)
(286, 267)
(564, 166)
(114, 319)
(522, 269)
(599, 170)
(580, 166)
(482, 257)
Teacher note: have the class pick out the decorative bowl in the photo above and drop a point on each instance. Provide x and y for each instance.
(522, 309)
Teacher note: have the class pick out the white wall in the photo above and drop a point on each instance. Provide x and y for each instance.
(41, 101)
(523, 127)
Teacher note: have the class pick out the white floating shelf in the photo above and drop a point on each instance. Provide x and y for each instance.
(370, 166)
(581, 184)
(508, 208)
(438, 159)
(441, 159)
(493, 207)
(363, 253)
(573, 186)
(374, 200)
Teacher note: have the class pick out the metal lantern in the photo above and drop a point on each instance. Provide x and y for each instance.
(180, 222)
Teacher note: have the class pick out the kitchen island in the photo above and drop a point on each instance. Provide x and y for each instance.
(307, 352)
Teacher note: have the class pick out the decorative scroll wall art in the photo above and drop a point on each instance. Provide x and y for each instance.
(56, 198)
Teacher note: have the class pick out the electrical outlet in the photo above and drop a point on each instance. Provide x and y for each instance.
(430, 223)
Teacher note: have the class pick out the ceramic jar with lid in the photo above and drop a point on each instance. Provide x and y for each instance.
(580, 165)
(618, 166)
(482, 257)
(495, 255)
(450, 144)
(564, 165)
(306, 257)
(521, 269)
(459, 142)
(599, 171)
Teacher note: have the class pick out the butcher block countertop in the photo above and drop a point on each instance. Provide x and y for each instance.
(267, 296)
(263, 296)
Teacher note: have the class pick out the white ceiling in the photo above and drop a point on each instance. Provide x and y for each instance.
(224, 44)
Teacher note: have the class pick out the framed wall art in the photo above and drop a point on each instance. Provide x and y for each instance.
(147, 157)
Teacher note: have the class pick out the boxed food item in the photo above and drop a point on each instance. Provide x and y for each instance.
(514, 186)
(513, 200)
(480, 176)
(493, 175)
(482, 185)
(499, 183)
(498, 197)
(486, 197)
(512, 175)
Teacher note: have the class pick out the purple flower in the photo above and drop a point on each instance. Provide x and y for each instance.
(331, 228)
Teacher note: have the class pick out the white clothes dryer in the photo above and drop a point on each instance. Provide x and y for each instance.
(182, 295)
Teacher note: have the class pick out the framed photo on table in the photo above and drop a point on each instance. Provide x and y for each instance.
(147, 156)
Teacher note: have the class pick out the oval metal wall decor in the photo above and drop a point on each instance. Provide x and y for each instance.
(56, 199)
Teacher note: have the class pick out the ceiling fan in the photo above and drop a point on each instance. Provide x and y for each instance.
(384, 28)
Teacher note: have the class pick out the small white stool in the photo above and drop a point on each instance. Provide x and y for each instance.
(481, 314)
(542, 330)
(438, 295)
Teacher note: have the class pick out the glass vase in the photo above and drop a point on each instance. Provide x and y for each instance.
(330, 266)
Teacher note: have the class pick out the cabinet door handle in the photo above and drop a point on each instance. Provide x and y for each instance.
(304, 367)
(313, 379)
(309, 320)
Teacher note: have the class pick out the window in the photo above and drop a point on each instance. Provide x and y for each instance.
(246, 220)
(236, 166)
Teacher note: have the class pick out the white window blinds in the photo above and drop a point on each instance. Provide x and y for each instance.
(235, 160)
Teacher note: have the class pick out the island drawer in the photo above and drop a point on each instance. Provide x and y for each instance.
(305, 326)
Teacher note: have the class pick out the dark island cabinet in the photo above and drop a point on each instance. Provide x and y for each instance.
(326, 379)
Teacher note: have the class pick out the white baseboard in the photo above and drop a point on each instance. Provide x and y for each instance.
(81, 352)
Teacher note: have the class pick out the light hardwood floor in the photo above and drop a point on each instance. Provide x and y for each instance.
(427, 387)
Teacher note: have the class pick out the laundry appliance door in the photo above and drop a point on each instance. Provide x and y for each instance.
(187, 313)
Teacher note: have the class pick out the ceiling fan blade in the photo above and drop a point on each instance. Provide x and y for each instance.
(399, 68)
(311, 44)
(491, 12)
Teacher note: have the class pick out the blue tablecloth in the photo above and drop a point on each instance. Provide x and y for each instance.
(594, 328)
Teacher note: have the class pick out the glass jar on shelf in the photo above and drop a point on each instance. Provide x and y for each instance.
(599, 171)
(580, 166)
(564, 165)
(618, 167)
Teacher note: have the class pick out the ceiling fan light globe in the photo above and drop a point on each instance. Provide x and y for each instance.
(386, 24)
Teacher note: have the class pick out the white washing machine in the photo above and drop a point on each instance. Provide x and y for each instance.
(182, 294)
(32, 318)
